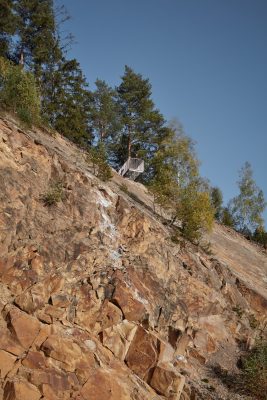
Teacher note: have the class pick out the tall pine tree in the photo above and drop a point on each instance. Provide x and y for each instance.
(105, 118)
(8, 25)
(72, 103)
(38, 39)
(140, 119)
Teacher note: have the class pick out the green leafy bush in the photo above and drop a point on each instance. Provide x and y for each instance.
(194, 211)
(19, 93)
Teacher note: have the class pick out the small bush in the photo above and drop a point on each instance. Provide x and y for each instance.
(239, 311)
(19, 93)
(206, 247)
(252, 321)
(124, 188)
(254, 371)
(97, 155)
(54, 195)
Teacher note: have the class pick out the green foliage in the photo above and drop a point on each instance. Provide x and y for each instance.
(173, 166)
(37, 37)
(7, 26)
(140, 120)
(217, 201)
(54, 195)
(239, 311)
(253, 321)
(70, 113)
(98, 157)
(104, 113)
(175, 183)
(248, 206)
(18, 92)
(260, 236)
(254, 371)
(227, 217)
(124, 188)
(194, 211)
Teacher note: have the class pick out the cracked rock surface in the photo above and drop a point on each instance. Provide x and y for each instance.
(97, 302)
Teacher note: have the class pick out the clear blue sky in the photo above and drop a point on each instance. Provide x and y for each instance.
(206, 61)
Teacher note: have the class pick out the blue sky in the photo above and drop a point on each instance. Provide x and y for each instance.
(206, 61)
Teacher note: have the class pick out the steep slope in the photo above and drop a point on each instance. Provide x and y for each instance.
(96, 300)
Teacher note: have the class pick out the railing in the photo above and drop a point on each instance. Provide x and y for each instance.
(133, 165)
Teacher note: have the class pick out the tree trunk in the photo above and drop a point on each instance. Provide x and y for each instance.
(129, 145)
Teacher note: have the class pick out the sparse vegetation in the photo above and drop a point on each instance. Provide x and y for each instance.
(252, 321)
(98, 157)
(252, 379)
(124, 188)
(54, 195)
(239, 311)
(206, 247)
(254, 371)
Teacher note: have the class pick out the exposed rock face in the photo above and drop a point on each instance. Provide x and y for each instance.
(96, 301)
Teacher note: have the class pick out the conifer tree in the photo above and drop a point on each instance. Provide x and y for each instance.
(104, 113)
(217, 200)
(227, 217)
(7, 26)
(72, 103)
(38, 40)
(140, 119)
(260, 236)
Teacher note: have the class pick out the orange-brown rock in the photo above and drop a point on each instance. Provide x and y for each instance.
(103, 385)
(64, 350)
(118, 338)
(110, 315)
(24, 327)
(9, 343)
(127, 299)
(7, 362)
(142, 355)
(168, 382)
(34, 360)
(59, 382)
(20, 390)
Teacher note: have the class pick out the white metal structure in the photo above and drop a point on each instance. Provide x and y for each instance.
(132, 168)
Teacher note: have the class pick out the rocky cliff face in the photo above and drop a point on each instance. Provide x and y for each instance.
(97, 302)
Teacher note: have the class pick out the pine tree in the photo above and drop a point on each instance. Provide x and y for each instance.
(260, 236)
(72, 103)
(7, 26)
(248, 206)
(217, 201)
(38, 41)
(105, 121)
(140, 119)
(227, 217)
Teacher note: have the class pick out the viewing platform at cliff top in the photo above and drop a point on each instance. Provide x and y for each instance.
(132, 168)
